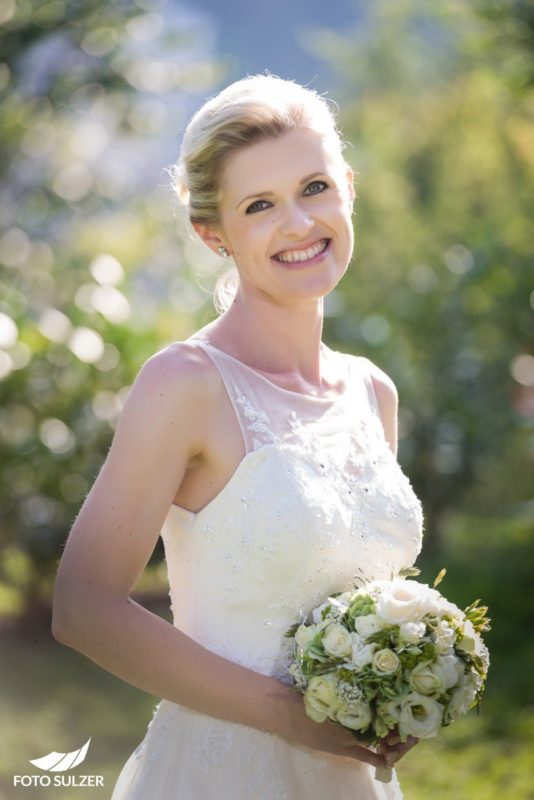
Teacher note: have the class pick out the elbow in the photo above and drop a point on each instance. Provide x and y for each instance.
(63, 614)
(58, 626)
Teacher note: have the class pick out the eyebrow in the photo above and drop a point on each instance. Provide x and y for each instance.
(268, 193)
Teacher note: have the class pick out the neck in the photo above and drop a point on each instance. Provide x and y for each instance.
(275, 339)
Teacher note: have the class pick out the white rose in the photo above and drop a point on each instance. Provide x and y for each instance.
(424, 679)
(411, 632)
(463, 696)
(444, 636)
(362, 653)
(400, 601)
(450, 669)
(385, 661)
(431, 601)
(337, 640)
(320, 698)
(471, 642)
(356, 715)
(304, 636)
(368, 624)
(419, 716)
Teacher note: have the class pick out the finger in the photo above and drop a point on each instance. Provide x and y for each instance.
(376, 759)
(402, 749)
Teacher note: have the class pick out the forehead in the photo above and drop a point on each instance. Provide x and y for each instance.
(282, 159)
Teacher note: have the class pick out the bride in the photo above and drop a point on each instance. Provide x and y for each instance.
(250, 448)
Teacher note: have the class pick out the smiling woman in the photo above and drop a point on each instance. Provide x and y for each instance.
(298, 222)
(231, 154)
(259, 454)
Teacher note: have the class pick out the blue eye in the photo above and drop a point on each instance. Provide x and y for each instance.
(315, 187)
(321, 184)
(251, 208)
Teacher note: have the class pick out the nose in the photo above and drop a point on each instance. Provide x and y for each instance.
(295, 220)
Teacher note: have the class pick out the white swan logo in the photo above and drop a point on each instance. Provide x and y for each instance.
(60, 762)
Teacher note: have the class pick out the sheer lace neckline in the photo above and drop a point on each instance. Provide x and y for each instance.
(338, 398)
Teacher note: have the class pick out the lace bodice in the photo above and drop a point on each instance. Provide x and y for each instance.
(317, 500)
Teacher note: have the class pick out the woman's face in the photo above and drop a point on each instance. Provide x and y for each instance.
(286, 215)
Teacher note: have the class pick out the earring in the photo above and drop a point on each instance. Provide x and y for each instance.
(223, 252)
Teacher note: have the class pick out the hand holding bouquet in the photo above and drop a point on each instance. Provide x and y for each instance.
(391, 656)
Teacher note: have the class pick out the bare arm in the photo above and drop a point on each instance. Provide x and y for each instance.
(113, 536)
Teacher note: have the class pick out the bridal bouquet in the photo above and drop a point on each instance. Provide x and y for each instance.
(390, 655)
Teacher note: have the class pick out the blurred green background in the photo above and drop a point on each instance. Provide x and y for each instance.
(98, 272)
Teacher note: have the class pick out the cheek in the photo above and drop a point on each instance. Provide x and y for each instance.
(251, 230)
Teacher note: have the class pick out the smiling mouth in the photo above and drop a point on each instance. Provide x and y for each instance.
(296, 256)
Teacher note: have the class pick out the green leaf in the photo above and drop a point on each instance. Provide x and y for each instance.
(292, 630)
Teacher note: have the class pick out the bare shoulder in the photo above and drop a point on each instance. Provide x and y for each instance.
(176, 388)
(384, 386)
(179, 367)
(161, 427)
(388, 402)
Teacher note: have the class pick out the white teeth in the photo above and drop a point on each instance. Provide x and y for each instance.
(303, 255)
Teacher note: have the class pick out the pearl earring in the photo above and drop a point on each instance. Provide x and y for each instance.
(223, 252)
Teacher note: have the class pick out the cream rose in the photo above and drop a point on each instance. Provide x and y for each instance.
(385, 661)
(320, 698)
(426, 680)
(337, 640)
(419, 716)
(356, 715)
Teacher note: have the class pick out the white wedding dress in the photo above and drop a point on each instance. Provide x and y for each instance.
(317, 500)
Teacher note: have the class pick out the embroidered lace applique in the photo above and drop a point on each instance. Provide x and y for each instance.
(213, 746)
(265, 781)
(259, 421)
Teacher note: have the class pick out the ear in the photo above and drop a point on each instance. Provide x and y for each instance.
(350, 181)
(210, 236)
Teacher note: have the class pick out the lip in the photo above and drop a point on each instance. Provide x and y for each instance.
(310, 261)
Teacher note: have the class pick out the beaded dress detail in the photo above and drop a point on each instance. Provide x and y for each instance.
(318, 500)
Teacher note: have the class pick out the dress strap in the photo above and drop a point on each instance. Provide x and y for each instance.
(373, 400)
(253, 404)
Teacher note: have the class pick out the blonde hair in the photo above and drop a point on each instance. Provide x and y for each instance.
(251, 109)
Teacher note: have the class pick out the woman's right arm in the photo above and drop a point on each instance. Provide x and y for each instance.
(162, 425)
